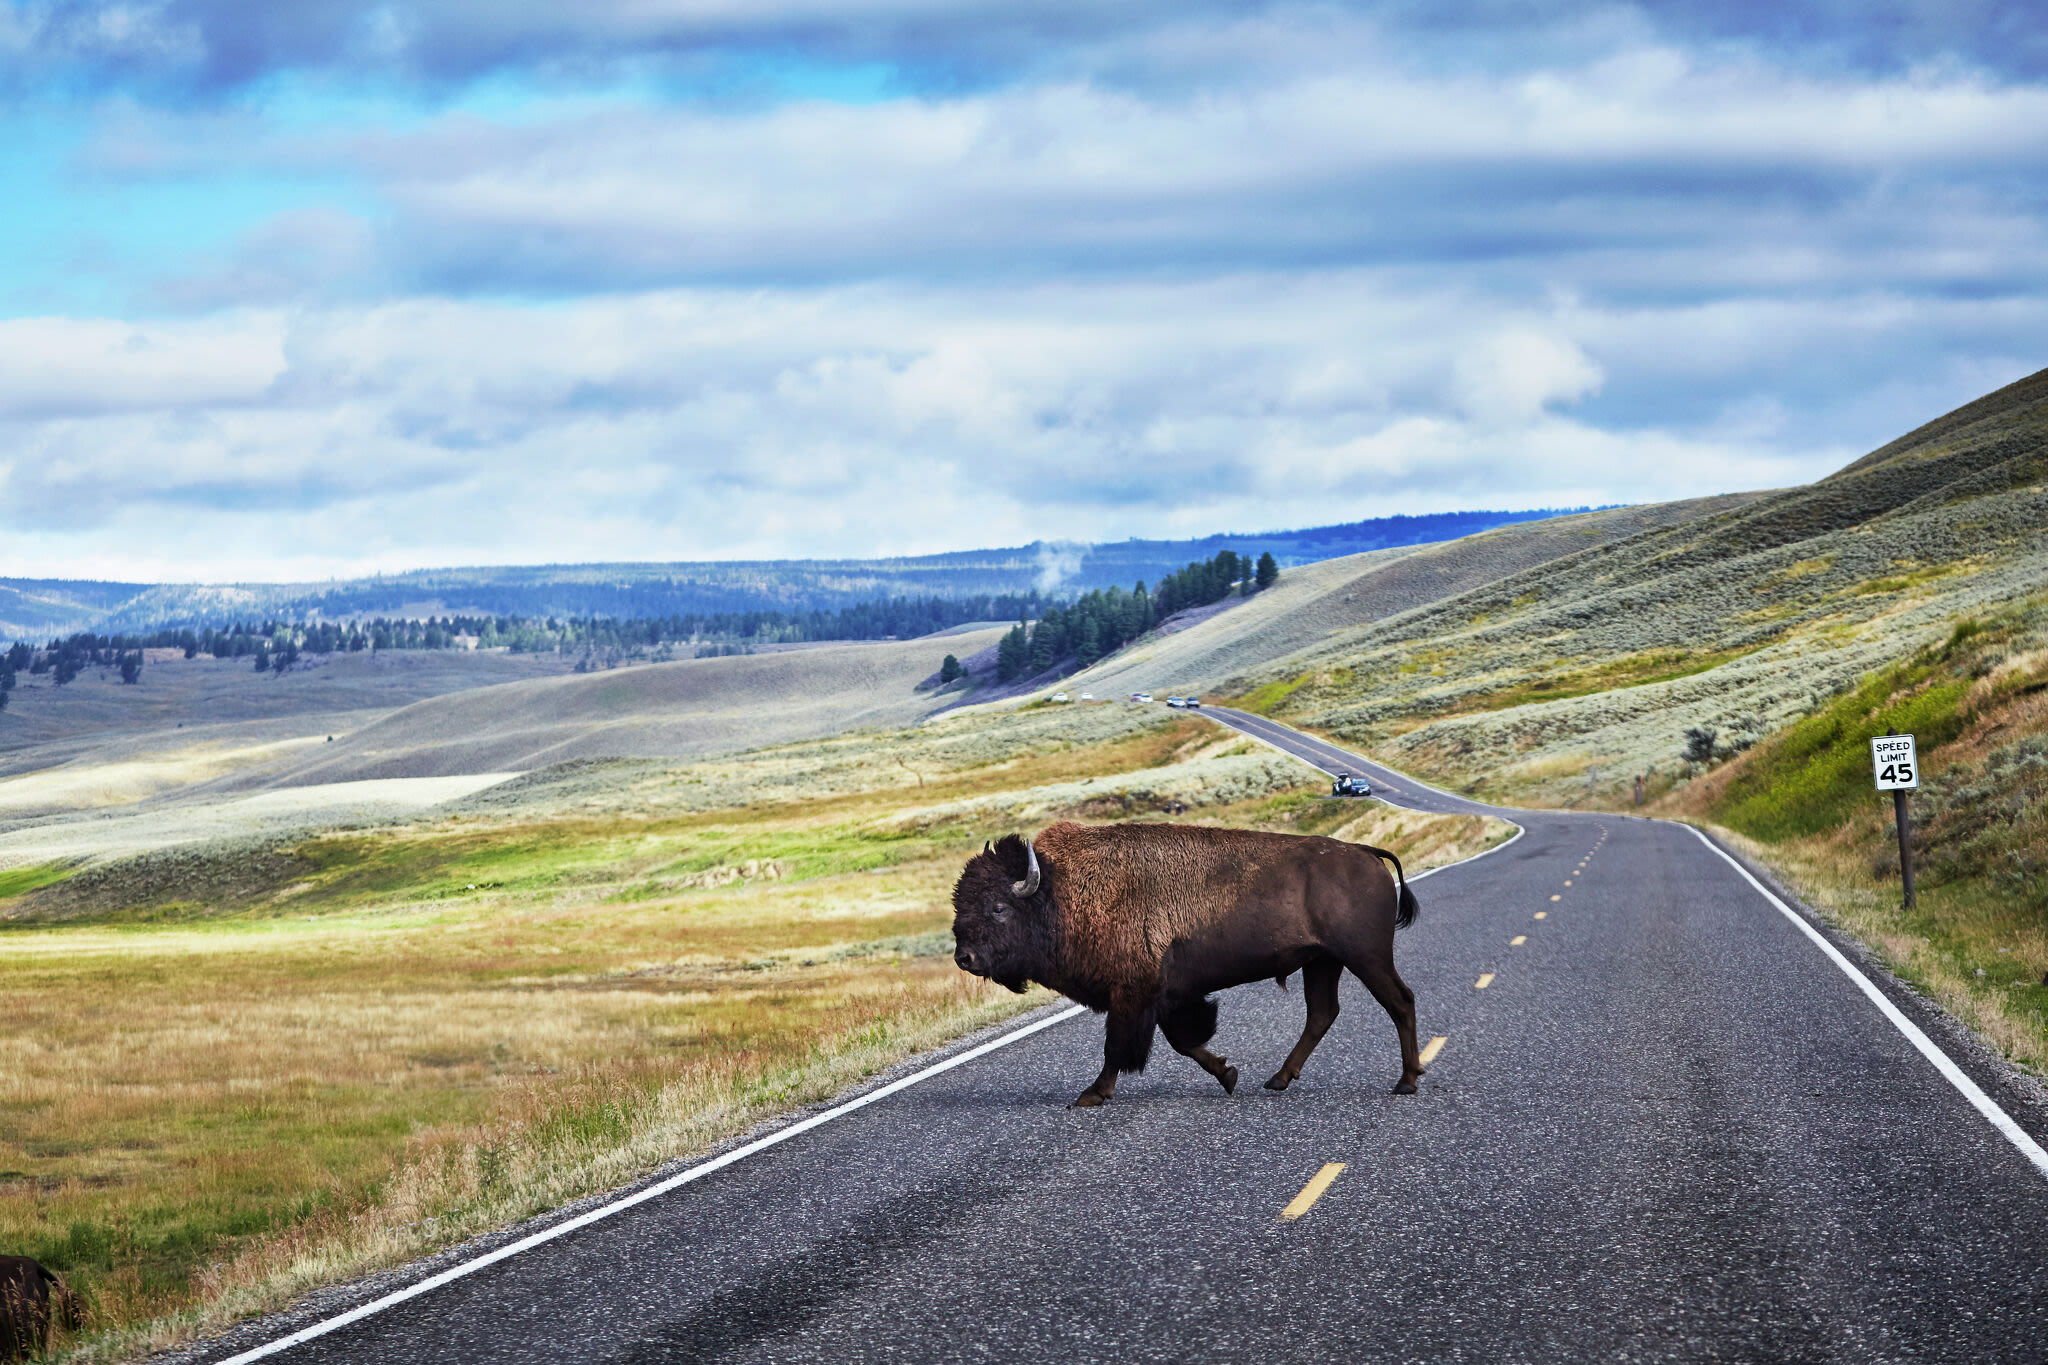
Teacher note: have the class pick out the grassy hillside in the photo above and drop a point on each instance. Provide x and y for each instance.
(181, 702)
(685, 709)
(238, 1069)
(1560, 682)
(1309, 606)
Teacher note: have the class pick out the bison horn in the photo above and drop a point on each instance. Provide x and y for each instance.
(1030, 882)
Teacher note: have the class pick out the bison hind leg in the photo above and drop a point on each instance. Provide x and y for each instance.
(1319, 990)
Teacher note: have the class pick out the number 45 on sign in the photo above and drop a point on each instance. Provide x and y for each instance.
(1893, 760)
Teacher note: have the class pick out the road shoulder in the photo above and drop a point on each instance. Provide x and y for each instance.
(2019, 1092)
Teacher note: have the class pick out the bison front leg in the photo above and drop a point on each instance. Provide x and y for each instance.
(1126, 1046)
(1188, 1027)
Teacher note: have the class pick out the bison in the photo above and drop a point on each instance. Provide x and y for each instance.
(1144, 922)
(27, 1293)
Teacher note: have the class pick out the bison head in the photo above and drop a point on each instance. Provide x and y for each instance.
(1002, 926)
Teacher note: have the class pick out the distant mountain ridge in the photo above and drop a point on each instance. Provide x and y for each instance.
(48, 606)
(42, 608)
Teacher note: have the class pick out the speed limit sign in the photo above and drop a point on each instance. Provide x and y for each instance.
(1895, 764)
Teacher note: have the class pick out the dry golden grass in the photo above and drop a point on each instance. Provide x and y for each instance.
(407, 1036)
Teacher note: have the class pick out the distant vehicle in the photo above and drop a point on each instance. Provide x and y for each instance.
(1087, 696)
(1192, 703)
(1059, 696)
(1141, 696)
(1176, 701)
(1347, 785)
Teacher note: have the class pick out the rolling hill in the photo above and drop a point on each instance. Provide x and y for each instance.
(1311, 605)
(1564, 678)
(686, 709)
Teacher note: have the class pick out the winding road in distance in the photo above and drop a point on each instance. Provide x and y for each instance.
(1664, 1123)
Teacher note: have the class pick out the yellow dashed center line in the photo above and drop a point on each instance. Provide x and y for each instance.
(1311, 1192)
(1557, 898)
(1485, 980)
(1518, 940)
(1567, 881)
(1432, 1047)
(1541, 913)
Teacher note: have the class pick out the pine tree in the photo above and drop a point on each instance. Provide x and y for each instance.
(1269, 571)
(950, 670)
(1088, 646)
(1010, 654)
(131, 666)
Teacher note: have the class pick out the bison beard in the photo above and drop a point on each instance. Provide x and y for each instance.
(1144, 922)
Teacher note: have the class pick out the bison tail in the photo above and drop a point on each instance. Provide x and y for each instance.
(1405, 916)
(1404, 913)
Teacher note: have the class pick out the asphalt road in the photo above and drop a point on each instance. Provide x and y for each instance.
(1668, 1127)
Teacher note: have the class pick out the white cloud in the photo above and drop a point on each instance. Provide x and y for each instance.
(71, 365)
(860, 420)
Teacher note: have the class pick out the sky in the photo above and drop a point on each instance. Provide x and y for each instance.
(318, 289)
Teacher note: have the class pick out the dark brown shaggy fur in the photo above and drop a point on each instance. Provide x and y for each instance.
(1144, 922)
(27, 1294)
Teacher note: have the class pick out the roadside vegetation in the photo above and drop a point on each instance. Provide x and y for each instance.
(237, 1071)
(1977, 702)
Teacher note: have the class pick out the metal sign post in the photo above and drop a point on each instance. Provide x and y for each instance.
(1895, 763)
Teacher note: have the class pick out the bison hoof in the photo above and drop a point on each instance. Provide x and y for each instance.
(1279, 1080)
(1089, 1100)
(1406, 1087)
(1229, 1078)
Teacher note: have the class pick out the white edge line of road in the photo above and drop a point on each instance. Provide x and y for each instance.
(654, 1191)
(1952, 1073)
